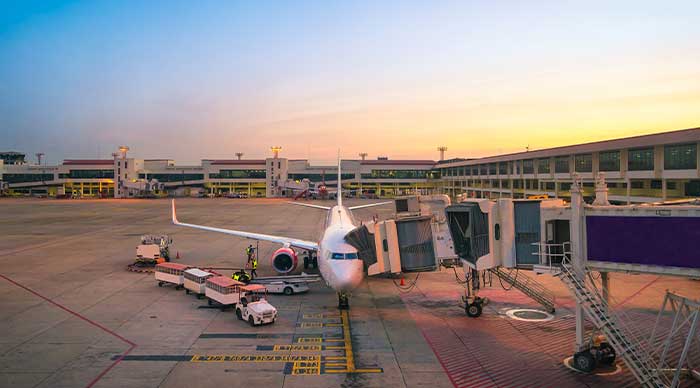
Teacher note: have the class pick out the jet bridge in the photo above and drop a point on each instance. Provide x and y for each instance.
(417, 240)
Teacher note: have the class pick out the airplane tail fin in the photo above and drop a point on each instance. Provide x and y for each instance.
(340, 185)
(174, 215)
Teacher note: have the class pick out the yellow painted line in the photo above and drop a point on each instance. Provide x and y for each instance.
(334, 340)
(334, 364)
(333, 358)
(335, 347)
(311, 325)
(350, 360)
(301, 348)
(309, 339)
(255, 358)
(353, 371)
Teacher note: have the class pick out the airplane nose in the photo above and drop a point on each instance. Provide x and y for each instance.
(349, 278)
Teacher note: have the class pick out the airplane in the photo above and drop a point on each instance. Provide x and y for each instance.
(338, 261)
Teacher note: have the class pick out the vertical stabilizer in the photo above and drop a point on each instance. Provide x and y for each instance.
(340, 185)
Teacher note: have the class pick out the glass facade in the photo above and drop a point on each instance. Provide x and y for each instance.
(388, 174)
(543, 166)
(238, 174)
(88, 174)
(561, 164)
(22, 178)
(583, 163)
(176, 177)
(609, 161)
(528, 166)
(492, 168)
(503, 168)
(681, 157)
(640, 159)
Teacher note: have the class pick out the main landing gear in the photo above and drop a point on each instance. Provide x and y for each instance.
(343, 301)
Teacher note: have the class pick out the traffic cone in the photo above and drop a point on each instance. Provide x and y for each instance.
(402, 282)
(177, 256)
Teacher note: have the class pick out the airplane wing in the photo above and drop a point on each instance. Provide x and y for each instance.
(370, 205)
(310, 205)
(308, 245)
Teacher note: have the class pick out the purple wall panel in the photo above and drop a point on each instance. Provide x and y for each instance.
(665, 241)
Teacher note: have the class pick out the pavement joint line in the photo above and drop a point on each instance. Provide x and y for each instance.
(132, 345)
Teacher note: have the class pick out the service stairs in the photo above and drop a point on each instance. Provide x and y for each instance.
(625, 339)
(527, 285)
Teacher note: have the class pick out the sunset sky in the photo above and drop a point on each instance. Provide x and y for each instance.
(195, 79)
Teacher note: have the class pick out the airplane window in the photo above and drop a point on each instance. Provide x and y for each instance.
(337, 256)
(351, 256)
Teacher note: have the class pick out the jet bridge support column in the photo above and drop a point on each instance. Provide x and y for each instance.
(578, 261)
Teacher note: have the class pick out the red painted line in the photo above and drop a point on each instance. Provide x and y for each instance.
(88, 320)
(638, 292)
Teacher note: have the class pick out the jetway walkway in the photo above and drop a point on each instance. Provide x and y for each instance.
(629, 341)
(527, 285)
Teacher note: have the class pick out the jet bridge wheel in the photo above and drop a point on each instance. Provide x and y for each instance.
(584, 361)
(473, 310)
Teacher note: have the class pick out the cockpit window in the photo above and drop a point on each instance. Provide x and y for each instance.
(344, 256)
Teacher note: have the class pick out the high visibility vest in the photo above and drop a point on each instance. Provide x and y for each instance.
(249, 250)
(236, 276)
(255, 263)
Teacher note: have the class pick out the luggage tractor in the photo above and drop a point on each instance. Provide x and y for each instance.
(253, 306)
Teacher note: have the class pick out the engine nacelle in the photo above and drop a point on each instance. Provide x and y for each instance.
(284, 260)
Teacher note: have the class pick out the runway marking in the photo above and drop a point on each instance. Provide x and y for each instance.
(255, 358)
(295, 364)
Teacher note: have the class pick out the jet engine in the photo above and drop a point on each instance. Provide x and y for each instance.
(284, 260)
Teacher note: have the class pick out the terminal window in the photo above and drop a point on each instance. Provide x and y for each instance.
(680, 157)
(543, 166)
(583, 163)
(609, 161)
(641, 159)
(561, 165)
(528, 166)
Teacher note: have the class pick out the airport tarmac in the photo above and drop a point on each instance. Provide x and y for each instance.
(72, 316)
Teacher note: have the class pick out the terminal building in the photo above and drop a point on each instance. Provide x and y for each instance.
(648, 168)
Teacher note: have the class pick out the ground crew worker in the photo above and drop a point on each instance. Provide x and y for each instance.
(254, 266)
(250, 251)
(241, 276)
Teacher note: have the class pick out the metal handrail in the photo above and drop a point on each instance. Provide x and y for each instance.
(624, 334)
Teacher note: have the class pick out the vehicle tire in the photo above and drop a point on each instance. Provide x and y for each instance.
(187, 291)
(209, 302)
(315, 262)
(288, 291)
(239, 314)
(160, 284)
(306, 263)
(251, 320)
(584, 361)
(199, 296)
(473, 310)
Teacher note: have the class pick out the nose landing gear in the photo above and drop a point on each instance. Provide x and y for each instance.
(343, 301)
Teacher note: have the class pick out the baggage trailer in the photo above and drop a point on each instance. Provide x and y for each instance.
(171, 273)
(195, 280)
(223, 291)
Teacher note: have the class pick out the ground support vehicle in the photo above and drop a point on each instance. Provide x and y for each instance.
(154, 249)
(223, 291)
(171, 273)
(254, 307)
(287, 285)
(195, 280)
(598, 353)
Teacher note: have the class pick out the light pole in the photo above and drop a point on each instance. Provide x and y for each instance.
(363, 155)
(239, 155)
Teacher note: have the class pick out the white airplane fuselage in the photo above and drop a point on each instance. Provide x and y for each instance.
(338, 262)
